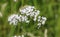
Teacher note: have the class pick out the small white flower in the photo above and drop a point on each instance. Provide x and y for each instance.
(23, 11)
(25, 18)
(32, 14)
(29, 9)
(39, 18)
(35, 19)
(27, 21)
(43, 22)
(38, 11)
(39, 25)
(44, 18)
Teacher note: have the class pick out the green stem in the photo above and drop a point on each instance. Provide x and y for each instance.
(57, 27)
(35, 3)
(11, 31)
(22, 2)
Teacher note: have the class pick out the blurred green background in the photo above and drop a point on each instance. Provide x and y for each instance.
(48, 8)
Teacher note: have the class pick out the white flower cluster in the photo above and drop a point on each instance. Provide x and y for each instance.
(41, 21)
(32, 12)
(29, 11)
(15, 18)
(25, 13)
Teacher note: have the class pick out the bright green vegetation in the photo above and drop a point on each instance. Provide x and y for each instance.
(48, 8)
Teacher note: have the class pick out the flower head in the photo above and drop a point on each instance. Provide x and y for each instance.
(26, 14)
(13, 19)
(29, 11)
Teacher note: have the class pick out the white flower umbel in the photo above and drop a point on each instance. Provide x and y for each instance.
(27, 13)
(44, 20)
(41, 21)
(13, 19)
